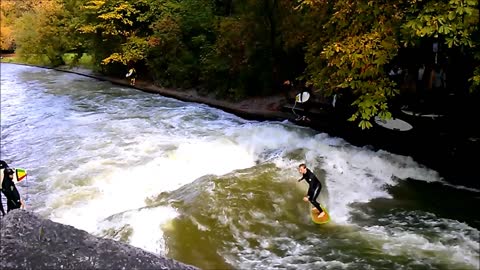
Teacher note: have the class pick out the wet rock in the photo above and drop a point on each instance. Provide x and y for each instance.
(31, 242)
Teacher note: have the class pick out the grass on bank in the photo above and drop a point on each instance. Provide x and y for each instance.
(41, 60)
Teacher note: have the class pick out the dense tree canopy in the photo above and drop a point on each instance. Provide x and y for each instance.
(343, 48)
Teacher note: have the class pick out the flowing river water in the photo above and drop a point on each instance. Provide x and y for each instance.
(216, 191)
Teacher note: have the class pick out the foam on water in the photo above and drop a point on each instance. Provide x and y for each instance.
(297, 255)
(436, 240)
(119, 189)
(147, 224)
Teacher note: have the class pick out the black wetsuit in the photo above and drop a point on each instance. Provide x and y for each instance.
(11, 193)
(314, 188)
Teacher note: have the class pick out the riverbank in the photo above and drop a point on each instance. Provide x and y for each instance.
(444, 144)
(259, 108)
(32, 242)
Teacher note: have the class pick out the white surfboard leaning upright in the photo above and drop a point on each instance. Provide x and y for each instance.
(302, 97)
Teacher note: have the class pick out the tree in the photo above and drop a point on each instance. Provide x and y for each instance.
(454, 23)
(182, 34)
(40, 31)
(10, 12)
(7, 41)
(356, 40)
(350, 52)
(110, 27)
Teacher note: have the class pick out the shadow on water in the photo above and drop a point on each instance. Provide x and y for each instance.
(411, 195)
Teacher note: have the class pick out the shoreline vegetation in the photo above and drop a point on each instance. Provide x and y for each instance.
(448, 153)
(365, 54)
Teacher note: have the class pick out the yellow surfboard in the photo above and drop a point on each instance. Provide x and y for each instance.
(314, 214)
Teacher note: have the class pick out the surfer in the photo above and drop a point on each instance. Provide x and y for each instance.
(8, 189)
(314, 187)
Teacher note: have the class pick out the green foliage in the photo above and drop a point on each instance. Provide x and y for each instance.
(111, 28)
(180, 36)
(454, 21)
(109, 18)
(83, 60)
(249, 48)
(350, 54)
(40, 60)
(475, 79)
(40, 31)
(227, 56)
(133, 49)
(351, 48)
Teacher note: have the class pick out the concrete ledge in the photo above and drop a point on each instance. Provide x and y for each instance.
(31, 242)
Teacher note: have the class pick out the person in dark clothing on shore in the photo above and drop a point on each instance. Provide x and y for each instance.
(9, 189)
(314, 187)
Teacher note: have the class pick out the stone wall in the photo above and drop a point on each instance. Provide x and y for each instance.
(31, 242)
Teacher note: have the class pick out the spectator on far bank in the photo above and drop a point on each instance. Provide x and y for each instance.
(132, 74)
(421, 78)
(396, 74)
(437, 79)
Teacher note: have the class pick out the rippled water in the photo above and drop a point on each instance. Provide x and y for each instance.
(216, 191)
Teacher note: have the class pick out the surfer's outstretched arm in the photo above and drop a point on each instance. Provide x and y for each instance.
(303, 178)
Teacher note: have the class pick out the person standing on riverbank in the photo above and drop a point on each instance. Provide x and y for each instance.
(132, 74)
(9, 189)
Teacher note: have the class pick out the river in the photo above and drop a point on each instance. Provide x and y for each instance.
(216, 191)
